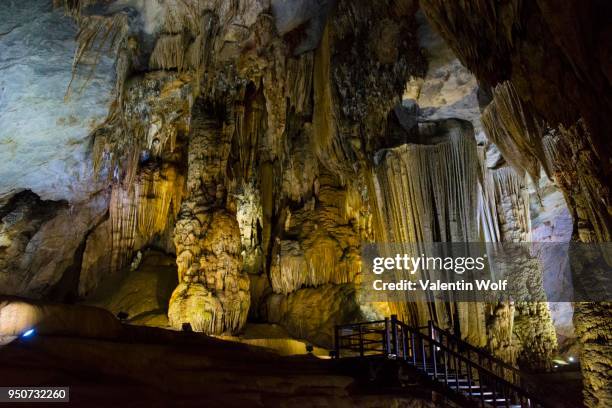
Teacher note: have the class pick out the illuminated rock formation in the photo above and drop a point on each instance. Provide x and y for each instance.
(549, 55)
(429, 193)
(213, 294)
(260, 144)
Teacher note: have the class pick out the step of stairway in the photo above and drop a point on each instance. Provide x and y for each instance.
(453, 380)
(465, 387)
(460, 381)
(483, 393)
(442, 375)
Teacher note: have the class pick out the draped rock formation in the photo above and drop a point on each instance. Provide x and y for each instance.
(428, 192)
(550, 55)
(527, 335)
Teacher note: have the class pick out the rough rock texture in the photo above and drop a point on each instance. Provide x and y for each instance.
(42, 243)
(311, 313)
(44, 139)
(97, 259)
(142, 293)
(448, 90)
(549, 55)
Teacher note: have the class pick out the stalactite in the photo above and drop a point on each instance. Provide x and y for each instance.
(521, 332)
(510, 202)
(428, 193)
(323, 263)
(487, 211)
(98, 36)
(123, 226)
(141, 210)
(515, 131)
(418, 183)
(326, 145)
(574, 166)
(169, 52)
(329, 230)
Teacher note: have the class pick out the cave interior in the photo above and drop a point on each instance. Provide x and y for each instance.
(187, 188)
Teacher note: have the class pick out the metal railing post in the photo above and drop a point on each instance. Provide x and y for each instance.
(457, 368)
(360, 341)
(394, 338)
(404, 341)
(445, 355)
(336, 341)
(386, 339)
(482, 402)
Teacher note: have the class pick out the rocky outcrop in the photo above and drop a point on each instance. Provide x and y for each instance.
(140, 295)
(42, 244)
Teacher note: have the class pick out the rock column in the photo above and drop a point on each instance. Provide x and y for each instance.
(213, 292)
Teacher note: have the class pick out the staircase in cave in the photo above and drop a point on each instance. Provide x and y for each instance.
(473, 377)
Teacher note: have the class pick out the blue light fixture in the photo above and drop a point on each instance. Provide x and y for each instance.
(28, 333)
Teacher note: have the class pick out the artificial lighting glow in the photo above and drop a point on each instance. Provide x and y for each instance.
(556, 366)
(28, 333)
(571, 359)
(437, 348)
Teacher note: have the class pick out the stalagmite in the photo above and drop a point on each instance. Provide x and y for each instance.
(213, 291)
(521, 332)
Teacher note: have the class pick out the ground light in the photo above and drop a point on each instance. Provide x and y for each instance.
(28, 333)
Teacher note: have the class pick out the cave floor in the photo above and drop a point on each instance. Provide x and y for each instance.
(155, 367)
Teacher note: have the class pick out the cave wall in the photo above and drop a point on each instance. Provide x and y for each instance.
(550, 86)
(238, 136)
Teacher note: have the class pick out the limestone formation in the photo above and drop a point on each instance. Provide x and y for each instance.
(213, 294)
(532, 45)
(260, 144)
(429, 193)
